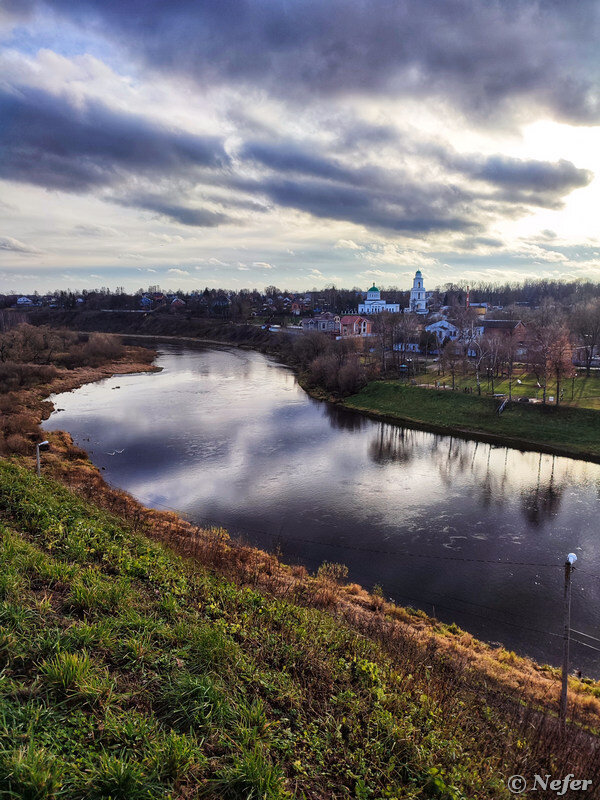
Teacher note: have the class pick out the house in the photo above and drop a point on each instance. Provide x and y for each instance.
(327, 323)
(504, 330)
(479, 308)
(443, 330)
(355, 325)
(407, 347)
(23, 302)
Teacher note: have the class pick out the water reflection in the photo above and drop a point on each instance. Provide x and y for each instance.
(341, 418)
(228, 438)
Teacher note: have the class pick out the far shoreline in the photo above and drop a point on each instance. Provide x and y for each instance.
(399, 420)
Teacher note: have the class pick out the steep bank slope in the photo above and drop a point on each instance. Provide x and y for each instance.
(132, 673)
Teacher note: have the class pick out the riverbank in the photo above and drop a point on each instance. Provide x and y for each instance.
(145, 672)
(71, 465)
(563, 431)
(434, 661)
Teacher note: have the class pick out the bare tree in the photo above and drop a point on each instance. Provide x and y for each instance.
(585, 324)
(453, 359)
(550, 349)
(561, 357)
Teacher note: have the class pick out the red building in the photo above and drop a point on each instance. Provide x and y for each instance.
(355, 326)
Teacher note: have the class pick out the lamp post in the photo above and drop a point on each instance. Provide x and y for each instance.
(562, 714)
(45, 445)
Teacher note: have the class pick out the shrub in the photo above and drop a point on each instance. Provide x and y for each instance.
(332, 572)
(18, 444)
(351, 377)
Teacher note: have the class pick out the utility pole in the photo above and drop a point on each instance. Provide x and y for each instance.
(562, 714)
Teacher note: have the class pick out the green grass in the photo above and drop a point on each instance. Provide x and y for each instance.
(128, 672)
(569, 429)
(582, 391)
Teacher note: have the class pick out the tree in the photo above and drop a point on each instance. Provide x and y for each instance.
(550, 352)
(384, 328)
(452, 359)
(585, 325)
(561, 357)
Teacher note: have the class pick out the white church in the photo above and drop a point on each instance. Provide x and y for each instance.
(375, 305)
(417, 304)
(418, 295)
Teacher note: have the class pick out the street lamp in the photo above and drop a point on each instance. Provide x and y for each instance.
(45, 445)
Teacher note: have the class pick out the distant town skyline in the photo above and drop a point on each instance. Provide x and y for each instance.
(241, 144)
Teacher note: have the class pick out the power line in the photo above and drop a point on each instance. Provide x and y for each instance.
(587, 635)
(379, 551)
(585, 572)
(583, 644)
(481, 616)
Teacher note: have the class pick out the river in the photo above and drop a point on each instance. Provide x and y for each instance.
(227, 437)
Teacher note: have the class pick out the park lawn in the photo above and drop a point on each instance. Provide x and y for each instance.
(567, 428)
(583, 392)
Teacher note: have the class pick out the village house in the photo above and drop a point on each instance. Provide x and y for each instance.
(443, 329)
(326, 323)
(355, 325)
(503, 330)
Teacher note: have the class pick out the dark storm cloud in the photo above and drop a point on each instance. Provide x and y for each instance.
(49, 141)
(186, 215)
(289, 157)
(540, 176)
(409, 209)
(475, 242)
(505, 180)
(46, 140)
(529, 182)
(476, 54)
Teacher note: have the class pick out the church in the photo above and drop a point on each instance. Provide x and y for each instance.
(418, 296)
(418, 303)
(375, 305)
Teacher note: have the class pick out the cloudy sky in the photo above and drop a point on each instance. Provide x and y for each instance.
(242, 143)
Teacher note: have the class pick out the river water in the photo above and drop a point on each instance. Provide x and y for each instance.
(226, 437)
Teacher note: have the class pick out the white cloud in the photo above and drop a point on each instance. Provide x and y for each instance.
(8, 244)
(347, 244)
(177, 271)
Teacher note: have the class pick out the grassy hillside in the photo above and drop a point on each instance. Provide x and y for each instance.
(129, 672)
(570, 430)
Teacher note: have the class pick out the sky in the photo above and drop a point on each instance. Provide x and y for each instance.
(246, 143)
